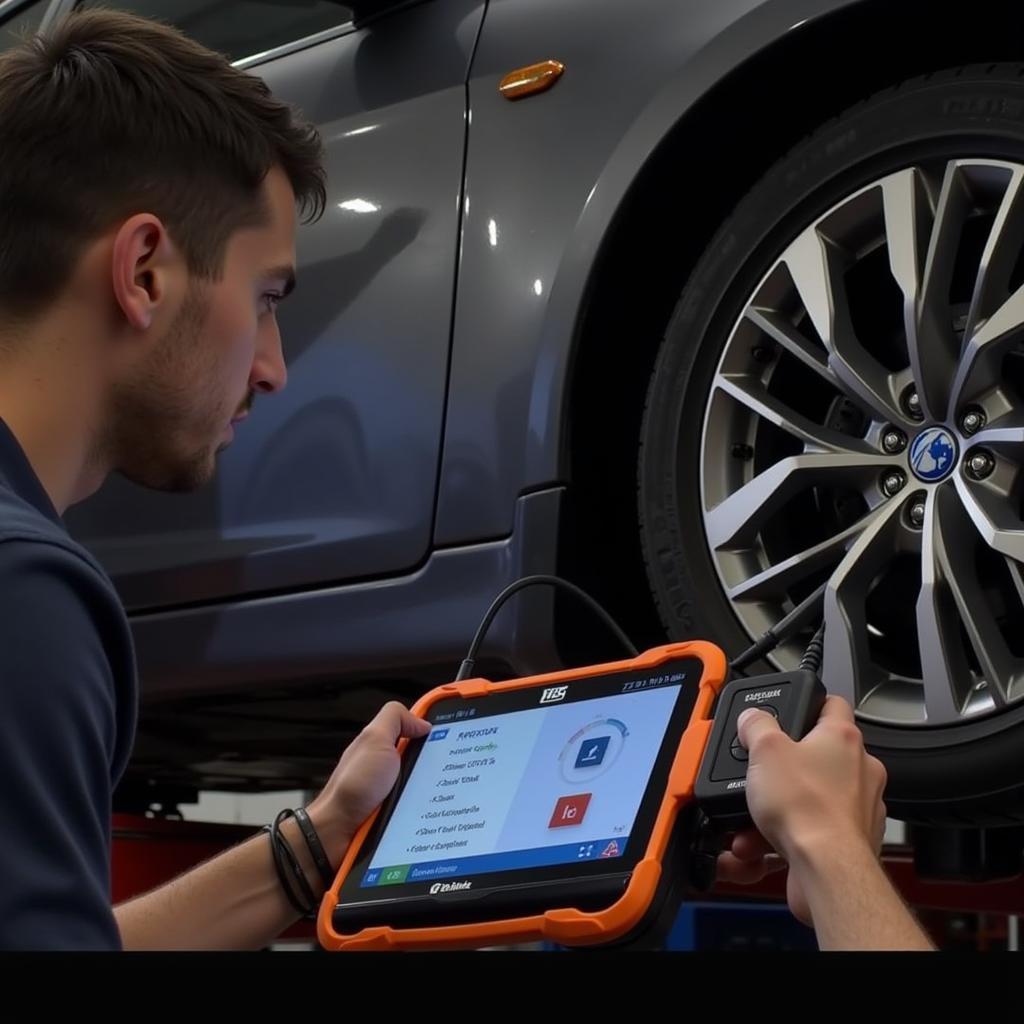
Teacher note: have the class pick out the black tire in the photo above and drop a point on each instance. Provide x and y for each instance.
(965, 774)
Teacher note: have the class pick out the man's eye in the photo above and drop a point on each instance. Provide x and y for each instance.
(271, 300)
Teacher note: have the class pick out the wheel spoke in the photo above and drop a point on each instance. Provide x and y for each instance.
(752, 393)
(774, 581)
(847, 663)
(735, 521)
(934, 347)
(817, 271)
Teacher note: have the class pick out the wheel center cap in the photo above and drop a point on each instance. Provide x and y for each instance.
(933, 454)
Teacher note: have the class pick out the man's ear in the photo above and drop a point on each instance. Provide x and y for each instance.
(142, 268)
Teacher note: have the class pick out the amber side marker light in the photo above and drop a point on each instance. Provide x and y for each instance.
(530, 80)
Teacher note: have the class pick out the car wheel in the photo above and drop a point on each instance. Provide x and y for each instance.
(839, 399)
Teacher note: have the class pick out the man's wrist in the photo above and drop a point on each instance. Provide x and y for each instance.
(827, 864)
(335, 833)
(293, 836)
(820, 853)
(851, 899)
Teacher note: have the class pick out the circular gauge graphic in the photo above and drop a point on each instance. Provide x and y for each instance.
(592, 750)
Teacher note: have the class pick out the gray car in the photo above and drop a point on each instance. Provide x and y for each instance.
(730, 311)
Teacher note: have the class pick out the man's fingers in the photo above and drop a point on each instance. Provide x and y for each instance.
(393, 721)
(750, 845)
(746, 872)
(754, 724)
(836, 709)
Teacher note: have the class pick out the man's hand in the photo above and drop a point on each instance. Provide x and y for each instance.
(803, 796)
(363, 778)
(824, 789)
(235, 901)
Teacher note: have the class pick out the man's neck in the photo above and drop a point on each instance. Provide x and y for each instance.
(50, 401)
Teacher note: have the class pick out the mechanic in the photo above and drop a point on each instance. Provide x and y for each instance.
(149, 194)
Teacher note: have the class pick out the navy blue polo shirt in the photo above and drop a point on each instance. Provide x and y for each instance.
(67, 719)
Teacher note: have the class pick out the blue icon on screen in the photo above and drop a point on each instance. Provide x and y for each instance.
(592, 751)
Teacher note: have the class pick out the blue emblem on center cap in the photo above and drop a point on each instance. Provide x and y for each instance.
(933, 454)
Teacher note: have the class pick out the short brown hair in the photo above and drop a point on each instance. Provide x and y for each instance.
(109, 114)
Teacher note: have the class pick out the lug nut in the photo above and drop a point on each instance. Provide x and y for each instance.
(912, 404)
(973, 420)
(892, 483)
(917, 514)
(980, 464)
(894, 441)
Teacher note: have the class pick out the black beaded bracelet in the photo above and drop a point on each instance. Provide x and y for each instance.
(282, 872)
(289, 871)
(316, 848)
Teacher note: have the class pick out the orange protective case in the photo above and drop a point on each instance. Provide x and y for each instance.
(565, 926)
